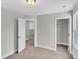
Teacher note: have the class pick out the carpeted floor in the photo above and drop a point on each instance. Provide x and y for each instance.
(39, 53)
(30, 42)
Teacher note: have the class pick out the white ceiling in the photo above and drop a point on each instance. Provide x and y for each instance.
(41, 6)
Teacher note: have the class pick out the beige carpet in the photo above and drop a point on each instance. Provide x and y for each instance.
(39, 53)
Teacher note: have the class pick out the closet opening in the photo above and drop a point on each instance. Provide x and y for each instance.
(62, 34)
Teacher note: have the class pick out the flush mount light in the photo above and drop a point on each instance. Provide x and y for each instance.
(31, 2)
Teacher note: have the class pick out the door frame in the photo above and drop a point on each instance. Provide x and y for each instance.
(70, 32)
(35, 32)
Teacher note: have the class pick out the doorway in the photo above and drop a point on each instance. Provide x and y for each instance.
(26, 33)
(30, 33)
(63, 33)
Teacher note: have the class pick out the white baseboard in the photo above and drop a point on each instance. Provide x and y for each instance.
(50, 48)
(63, 43)
(73, 55)
(6, 55)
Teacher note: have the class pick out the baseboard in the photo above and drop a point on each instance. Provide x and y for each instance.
(63, 43)
(6, 55)
(73, 55)
(41, 46)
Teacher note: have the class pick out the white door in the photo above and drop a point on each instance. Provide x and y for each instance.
(21, 35)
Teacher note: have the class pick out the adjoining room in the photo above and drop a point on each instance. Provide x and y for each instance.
(30, 33)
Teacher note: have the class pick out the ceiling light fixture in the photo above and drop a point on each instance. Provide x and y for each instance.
(31, 2)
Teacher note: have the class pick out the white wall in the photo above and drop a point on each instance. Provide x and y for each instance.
(8, 39)
(46, 29)
(9, 30)
(62, 31)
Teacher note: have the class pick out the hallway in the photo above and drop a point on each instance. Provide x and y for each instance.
(30, 42)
